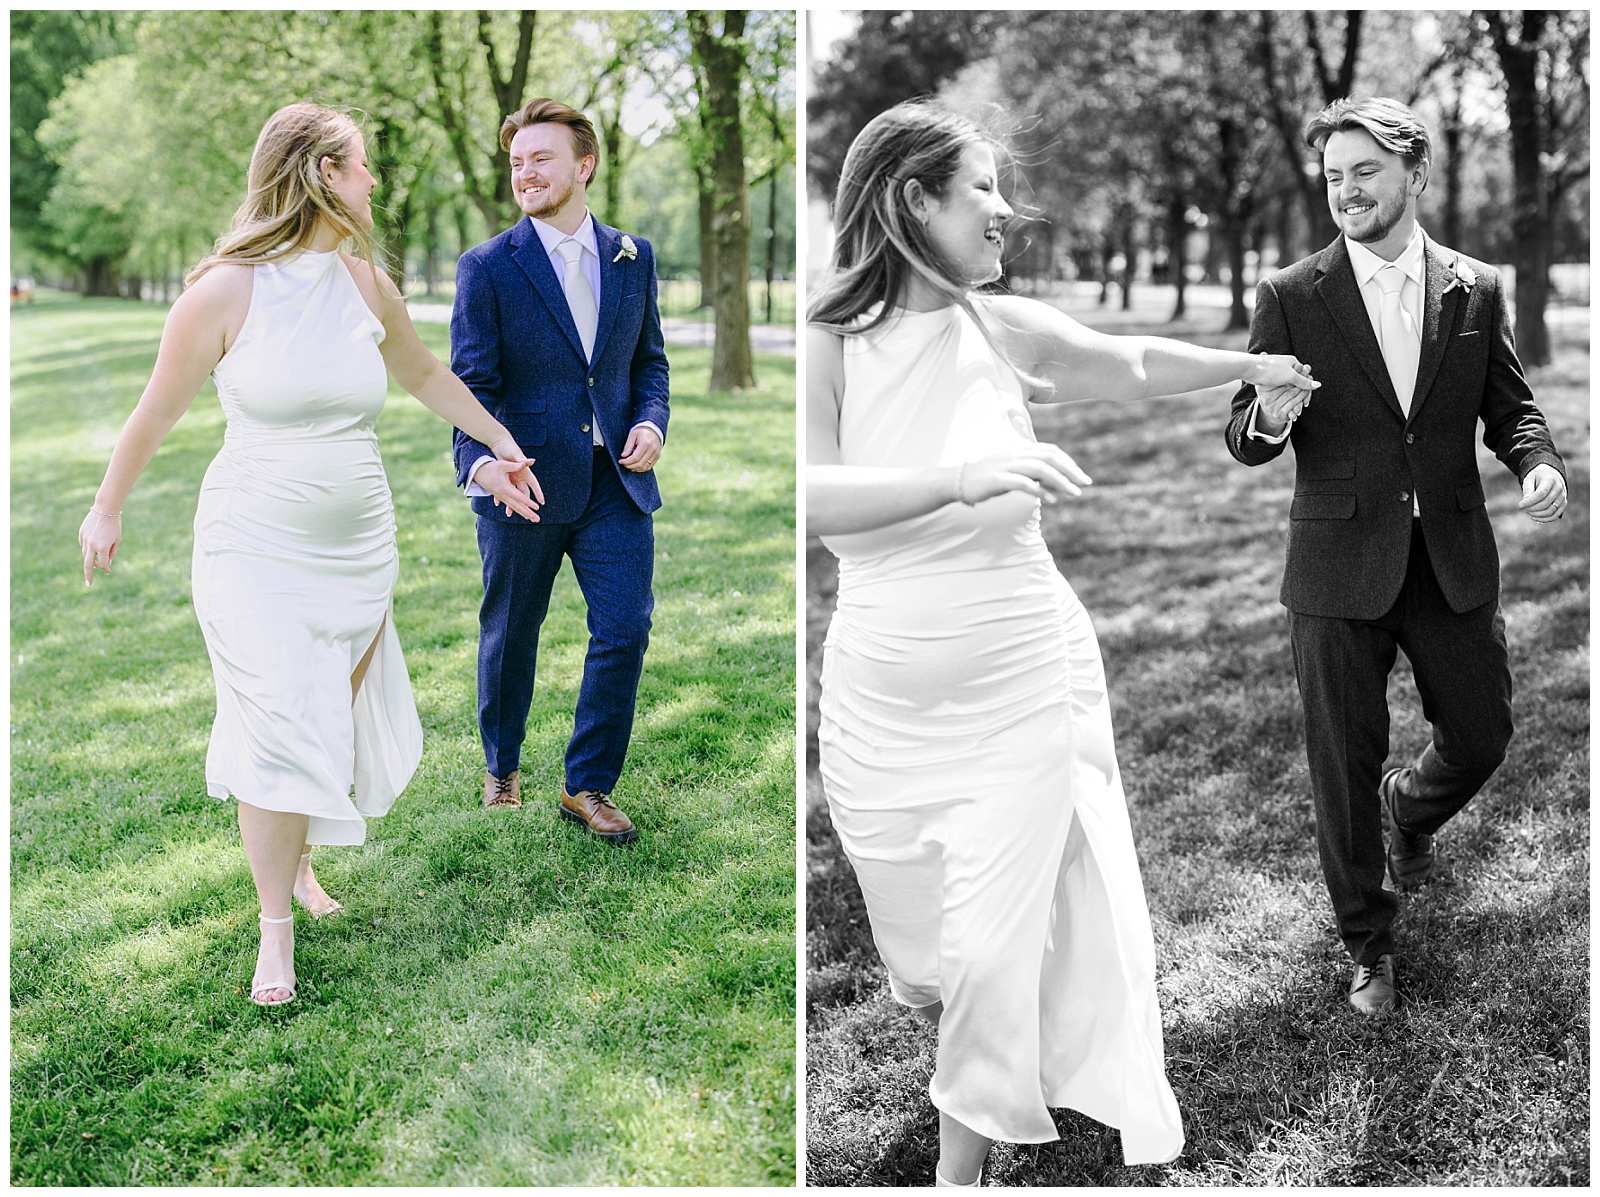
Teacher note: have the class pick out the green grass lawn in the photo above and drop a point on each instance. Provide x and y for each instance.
(1483, 1077)
(507, 1000)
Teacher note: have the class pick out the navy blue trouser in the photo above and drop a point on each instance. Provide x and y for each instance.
(612, 549)
(1342, 666)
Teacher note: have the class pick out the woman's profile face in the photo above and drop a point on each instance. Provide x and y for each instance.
(965, 226)
(354, 184)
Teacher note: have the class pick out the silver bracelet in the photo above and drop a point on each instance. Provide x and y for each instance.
(961, 479)
(105, 515)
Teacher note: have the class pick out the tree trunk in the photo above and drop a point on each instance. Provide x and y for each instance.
(722, 59)
(493, 198)
(100, 277)
(1177, 240)
(708, 241)
(1233, 238)
(1108, 250)
(430, 257)
(1519, 62)
(611, 180)
(772, 237)
(1130, 258)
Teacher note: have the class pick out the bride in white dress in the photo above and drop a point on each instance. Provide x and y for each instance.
(965, 734)
(294, 554)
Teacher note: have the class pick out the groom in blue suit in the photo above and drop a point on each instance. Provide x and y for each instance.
(555, 330)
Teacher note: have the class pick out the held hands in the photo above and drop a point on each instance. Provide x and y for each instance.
(1283, 388)
(1038, 469)
(510, 480)
(98, 537)
(1544, 494)
(642, 450)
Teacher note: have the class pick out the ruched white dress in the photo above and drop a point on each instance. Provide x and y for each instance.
(969, 767)
(295, 561)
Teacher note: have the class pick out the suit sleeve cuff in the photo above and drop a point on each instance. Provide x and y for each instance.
(1538, 458)
(474, 491)
(1256, 434)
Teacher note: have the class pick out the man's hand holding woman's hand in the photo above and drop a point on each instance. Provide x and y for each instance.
(1283, 387)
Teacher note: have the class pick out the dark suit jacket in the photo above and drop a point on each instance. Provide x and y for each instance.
(513, 342)
(1358, 460)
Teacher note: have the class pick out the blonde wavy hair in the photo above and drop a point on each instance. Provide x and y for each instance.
(286, 197)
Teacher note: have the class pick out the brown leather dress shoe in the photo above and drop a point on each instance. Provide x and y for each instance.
(1372, 986)
(1410, 852)
(599, 814)
(502, 791)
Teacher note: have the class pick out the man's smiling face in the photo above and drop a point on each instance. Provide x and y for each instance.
(1370, 190)
(545, 169)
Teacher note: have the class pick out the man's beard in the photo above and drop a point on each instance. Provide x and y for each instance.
(1381, 227)
(556, 196)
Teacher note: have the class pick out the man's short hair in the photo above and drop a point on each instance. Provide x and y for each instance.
(544, 111)
(1389, 122)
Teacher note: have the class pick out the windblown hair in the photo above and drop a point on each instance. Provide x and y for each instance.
(286, 197)
(878, 243)
(1389, 122)
(544, 111)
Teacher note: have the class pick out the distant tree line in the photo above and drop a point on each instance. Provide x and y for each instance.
(131, 133)
(1135, 128)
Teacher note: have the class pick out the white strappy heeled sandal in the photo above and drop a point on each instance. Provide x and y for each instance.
(268, 986)
(326, 911)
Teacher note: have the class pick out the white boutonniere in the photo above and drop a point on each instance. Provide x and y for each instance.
(629, 250)
(1460, 276)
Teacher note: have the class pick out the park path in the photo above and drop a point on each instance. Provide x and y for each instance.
(764, 338)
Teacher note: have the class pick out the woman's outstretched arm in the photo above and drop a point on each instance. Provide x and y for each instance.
(1081, 363)
(842, 499)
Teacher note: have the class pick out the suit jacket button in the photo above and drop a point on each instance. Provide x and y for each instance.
(591, 382)
(1405, 496)
(583, 428)
(1410, 437)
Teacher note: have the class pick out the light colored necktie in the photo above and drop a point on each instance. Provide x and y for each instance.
(585, 312)
(580, 299)
(1397, 335)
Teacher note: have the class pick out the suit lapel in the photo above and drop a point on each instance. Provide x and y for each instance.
(530, 255)
(1437, 323)
(610, 243)
(1341, 294)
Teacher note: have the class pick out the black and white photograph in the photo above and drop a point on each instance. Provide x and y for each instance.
(1196, 437)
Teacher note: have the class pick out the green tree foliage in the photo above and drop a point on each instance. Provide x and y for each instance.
(1138, 130)
(191, 89)
(48, 49)
(894, 56)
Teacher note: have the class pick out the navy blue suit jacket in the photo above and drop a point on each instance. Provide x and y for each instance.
(1359, 458)
(513, 342)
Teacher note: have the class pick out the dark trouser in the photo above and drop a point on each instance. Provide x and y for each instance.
(1342, 666)
(612, 549)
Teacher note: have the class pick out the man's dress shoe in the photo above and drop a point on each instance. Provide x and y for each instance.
(502, 791)
(599, 814)
(1410, 852)
(1372, 987)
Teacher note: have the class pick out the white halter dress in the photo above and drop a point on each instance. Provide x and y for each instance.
(970, 771)
(295, 561)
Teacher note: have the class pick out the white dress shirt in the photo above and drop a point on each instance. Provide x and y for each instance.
(551, 237)
(1366, 265)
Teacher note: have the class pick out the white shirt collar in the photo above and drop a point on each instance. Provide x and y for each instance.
(1366, 263)
(550, 236)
